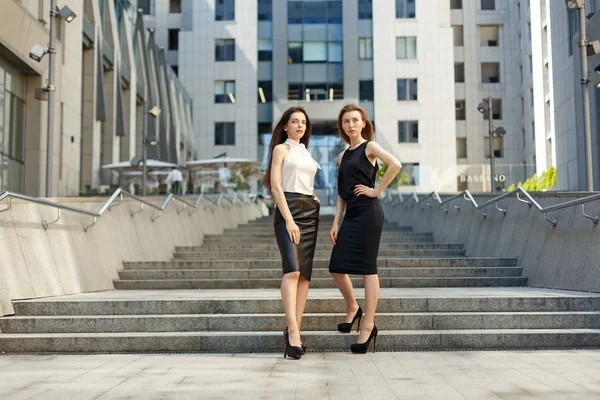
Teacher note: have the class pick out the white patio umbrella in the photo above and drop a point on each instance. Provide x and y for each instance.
(126, 165)
(222, 162)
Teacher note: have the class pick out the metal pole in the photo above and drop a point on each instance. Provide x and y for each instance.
(144, 149)
(586, 99)
(491, 136)
(51, 89)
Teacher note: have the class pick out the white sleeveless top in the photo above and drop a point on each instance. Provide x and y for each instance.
(299, 169)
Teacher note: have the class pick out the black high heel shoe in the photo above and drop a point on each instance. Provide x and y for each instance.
(346, 327)
(294, 352)
(361, 348)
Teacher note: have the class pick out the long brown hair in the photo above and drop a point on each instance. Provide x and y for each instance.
(280, 136)
(367, 131)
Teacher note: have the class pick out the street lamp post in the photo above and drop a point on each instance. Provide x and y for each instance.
(484, 106)
(146, 141)
(491, 140)
(50, 88)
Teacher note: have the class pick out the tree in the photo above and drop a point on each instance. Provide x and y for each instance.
(538, 183)
(401, 179)
(242, 172)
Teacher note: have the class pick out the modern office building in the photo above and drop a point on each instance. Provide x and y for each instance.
(108, 70)
(245, 62)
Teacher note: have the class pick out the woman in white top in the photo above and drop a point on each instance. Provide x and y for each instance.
(290, 179)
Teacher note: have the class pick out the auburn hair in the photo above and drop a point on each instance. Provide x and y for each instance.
(367, 131)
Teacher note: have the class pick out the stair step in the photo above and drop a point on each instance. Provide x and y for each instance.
(248, 342)
(270, 255)
(184, 302)
(315, 283)
(382, 262)
(320, 246)
(275, 273)
(310, 322)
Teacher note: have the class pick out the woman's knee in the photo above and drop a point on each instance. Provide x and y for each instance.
(291, 276)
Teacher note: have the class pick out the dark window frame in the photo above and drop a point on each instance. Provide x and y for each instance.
(224, 133)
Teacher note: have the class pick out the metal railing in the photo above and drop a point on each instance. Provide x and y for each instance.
(214, 200)
(519, 192)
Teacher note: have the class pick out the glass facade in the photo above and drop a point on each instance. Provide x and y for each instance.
(12, 128)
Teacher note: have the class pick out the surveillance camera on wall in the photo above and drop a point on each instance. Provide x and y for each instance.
(37, 52)
(67, 14)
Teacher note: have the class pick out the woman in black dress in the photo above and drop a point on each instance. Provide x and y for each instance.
(356, 242)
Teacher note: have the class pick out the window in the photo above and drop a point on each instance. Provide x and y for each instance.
(459, 72)
(518, 10)
(175, 69)
(458, 35)
(496, 109)
(524, 139)
(408, 131)
(295, 52)
(334, 11)
(315, 91)
(175, 6)
(264, 127)
(334, 52)
(225, 49)
(531, 97)
(405, 9)
(406, 48)
(224, 10)
(224, 91)
(365, 90)
(265, 91)
(224, 133)
(522, 106)
(265, 10)
(490, 72)
(530, 65)
(295, 12)
(365, 9)
(488, 4)
(407, 89)
(489, 35)
(265, 49)
(521, 72)
(315, 12)
(145, 6)
(173, 39)
(314, 52)
(365, 48)
(460, 106)
(455, 4)
(461, 147)
(409, 174)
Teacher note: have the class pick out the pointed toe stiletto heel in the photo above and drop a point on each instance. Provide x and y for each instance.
(361, 348)
(294, 352)
(346, 327)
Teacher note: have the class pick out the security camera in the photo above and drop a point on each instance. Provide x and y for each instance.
(481, 107)
(499, 131)
(37, 52)
(154, 111)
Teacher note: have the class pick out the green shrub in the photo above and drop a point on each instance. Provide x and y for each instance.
(537, 183)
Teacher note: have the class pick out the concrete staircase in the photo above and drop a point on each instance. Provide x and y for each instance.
(433, 297)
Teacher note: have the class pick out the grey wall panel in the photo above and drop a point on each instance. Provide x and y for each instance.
(265, 112)
(315, 73)
(315, 32)
(295, 73)
(265, 70)
(187, 15)
(265, 29)
(365, 70)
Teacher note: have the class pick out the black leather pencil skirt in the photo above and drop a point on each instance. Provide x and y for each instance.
(305, 211)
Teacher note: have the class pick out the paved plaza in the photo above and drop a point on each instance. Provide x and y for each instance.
(402, 375)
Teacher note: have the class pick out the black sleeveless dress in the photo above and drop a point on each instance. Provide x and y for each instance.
(357, 244)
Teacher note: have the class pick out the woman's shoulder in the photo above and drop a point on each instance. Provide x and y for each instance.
(282, 148)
